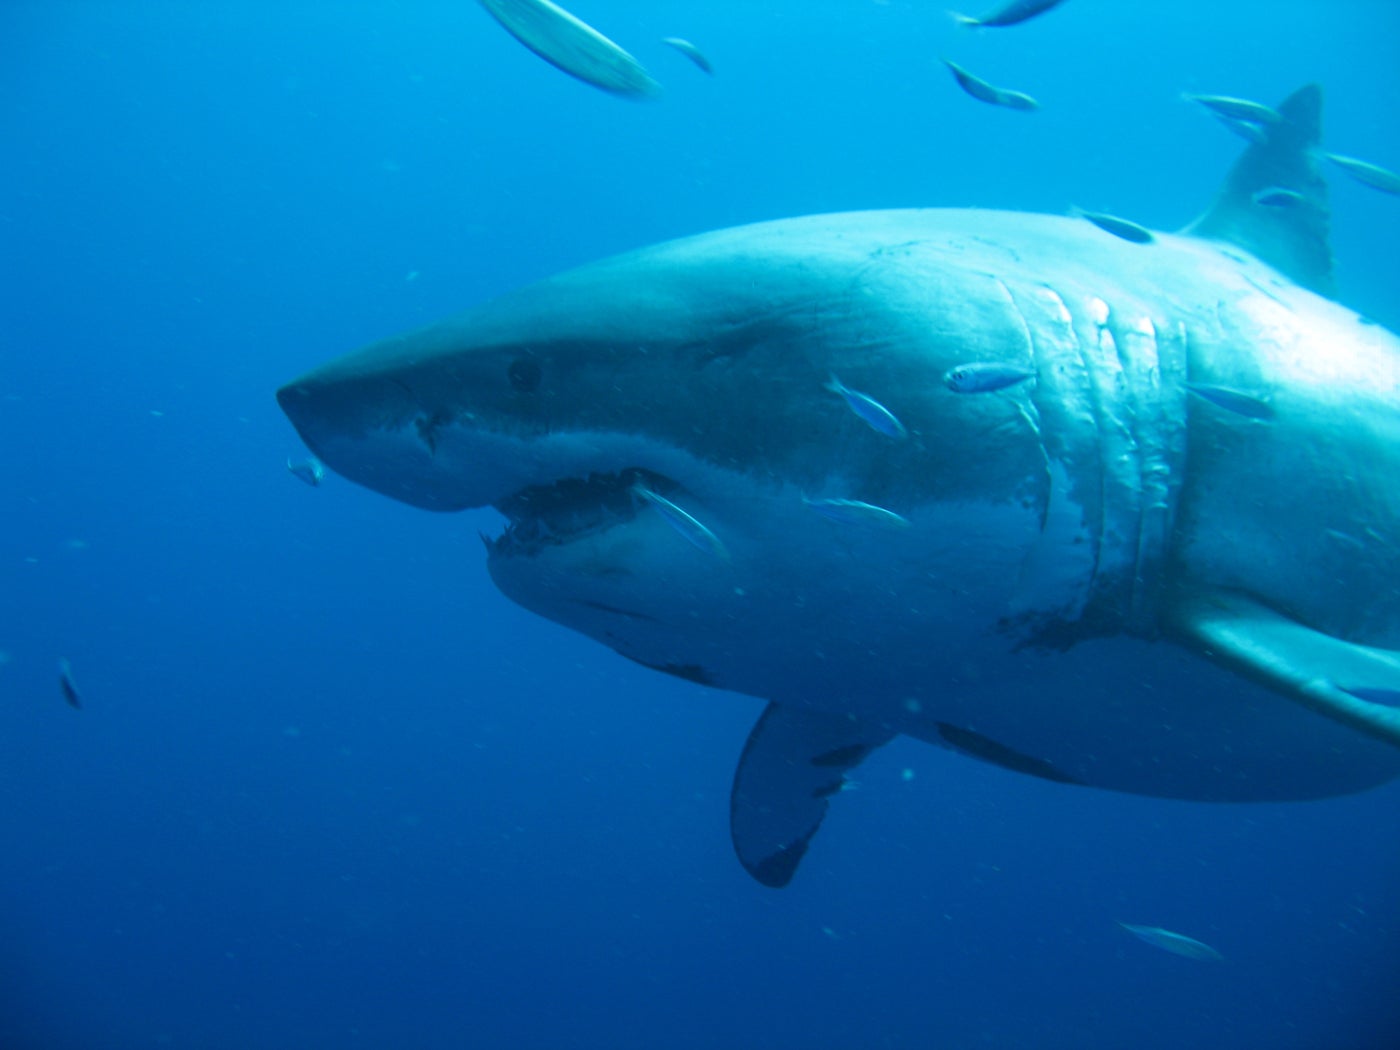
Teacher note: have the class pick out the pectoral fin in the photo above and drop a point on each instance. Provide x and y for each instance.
(1353, 684)
(794, 761)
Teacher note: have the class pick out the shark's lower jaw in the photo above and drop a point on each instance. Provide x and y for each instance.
(551, 515)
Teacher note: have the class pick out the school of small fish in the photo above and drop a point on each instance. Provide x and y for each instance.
(571, 45)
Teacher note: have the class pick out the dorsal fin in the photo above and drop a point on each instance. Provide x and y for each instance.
(1293, 239)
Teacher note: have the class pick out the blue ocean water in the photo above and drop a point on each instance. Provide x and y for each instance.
(329, 788)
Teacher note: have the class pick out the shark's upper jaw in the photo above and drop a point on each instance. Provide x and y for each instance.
(554, 483)
(552, 487)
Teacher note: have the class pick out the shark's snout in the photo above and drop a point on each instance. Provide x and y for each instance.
(372, 429)
(471, 429)
(322, 405)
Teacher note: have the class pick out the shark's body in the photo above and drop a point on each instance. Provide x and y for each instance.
(1207, 455)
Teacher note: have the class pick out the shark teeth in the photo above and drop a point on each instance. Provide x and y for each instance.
(541, 516)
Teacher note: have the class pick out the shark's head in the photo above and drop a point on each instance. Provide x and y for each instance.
(688, 447)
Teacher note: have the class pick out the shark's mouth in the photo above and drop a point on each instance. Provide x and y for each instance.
(542, 516)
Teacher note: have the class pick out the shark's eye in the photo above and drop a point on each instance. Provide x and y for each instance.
(524, 374)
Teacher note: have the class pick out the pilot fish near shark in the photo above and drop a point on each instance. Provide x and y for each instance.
(1162, 557)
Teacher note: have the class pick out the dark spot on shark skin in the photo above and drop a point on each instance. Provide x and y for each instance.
(1036, 631)
(690, 672)
(427, 430)
(973, 743)
(827, 790)
(850, 755)
(995, 245)
(744, 336)
(629, 614)
(897, 250)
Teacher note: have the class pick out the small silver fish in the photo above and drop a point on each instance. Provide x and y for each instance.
(855, 512)
(982, 377)
(1279, 197)
(690, 51)
(65, 684)
(1252, 133)
(1238, 108)
(1011, 14)
(872, 413)
(985, 92)
(1176, 943)
(694, 532)
(573, 46)
(1236, 401)
(1367, 174)
(308, 470)
(1123, 228)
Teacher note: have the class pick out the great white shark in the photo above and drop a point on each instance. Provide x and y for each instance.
(1167, 562)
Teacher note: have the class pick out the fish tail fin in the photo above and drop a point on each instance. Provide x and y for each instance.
(1294, 240)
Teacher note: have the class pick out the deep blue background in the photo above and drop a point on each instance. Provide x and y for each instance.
(329, 788)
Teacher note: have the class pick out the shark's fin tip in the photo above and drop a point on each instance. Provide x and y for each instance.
(1294, 240)
(794, 761)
